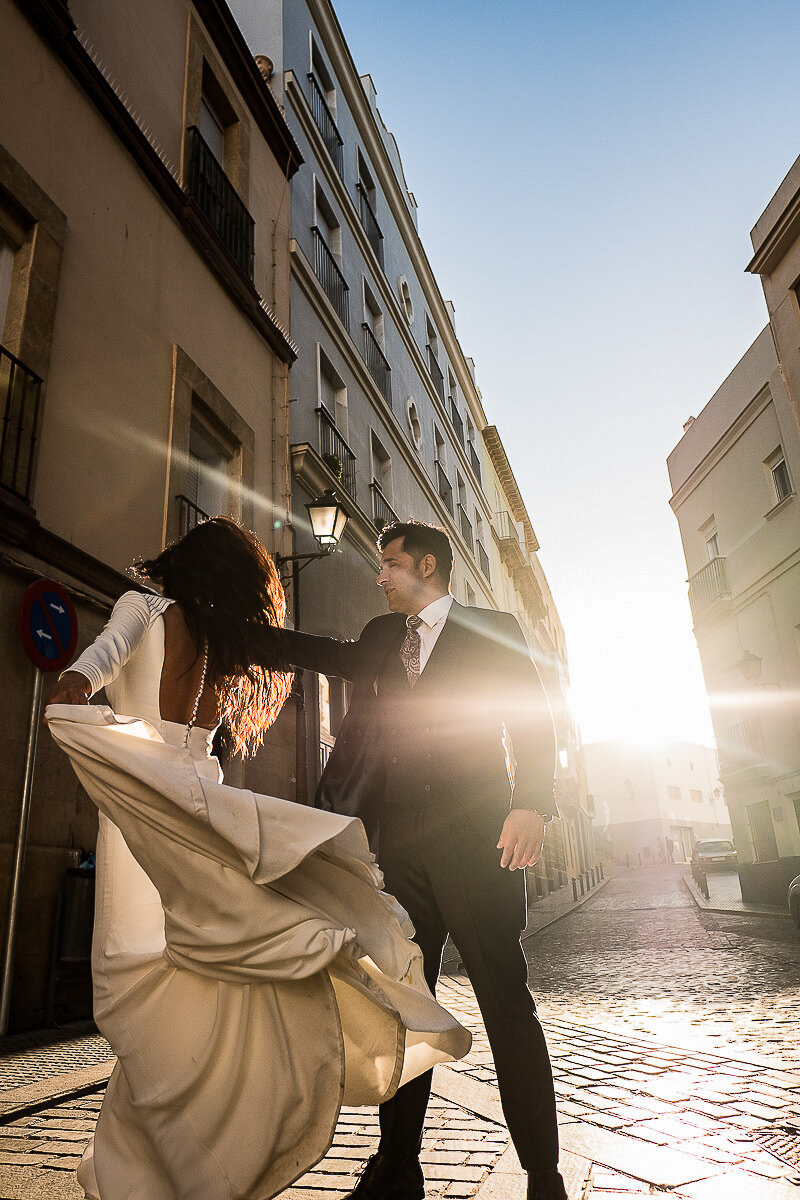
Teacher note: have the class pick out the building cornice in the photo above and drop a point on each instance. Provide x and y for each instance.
(502, 466)
(49, 19)
(783, 233)
(394, 193)
(720, 448)
(335, 185)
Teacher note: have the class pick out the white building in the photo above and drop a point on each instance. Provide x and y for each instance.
(733, 475)
(649, 801)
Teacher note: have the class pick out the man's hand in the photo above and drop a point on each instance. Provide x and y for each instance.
(521, 839)
(72, 688)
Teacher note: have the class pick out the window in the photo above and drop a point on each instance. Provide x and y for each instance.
(381, 466)
(414, 423)
(211, 458)
(367, 207)
(206, 487)
(470, 595)
(696, 795)
(327, 236)
(211, 122)
(333, 393)
(327, 222)
(404, 292)
(712, 546)
(674, 793)
(432, 349)
(780, 477)
(322, 98)
(373, 315)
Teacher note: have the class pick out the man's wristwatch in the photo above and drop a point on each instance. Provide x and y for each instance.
(546, 817)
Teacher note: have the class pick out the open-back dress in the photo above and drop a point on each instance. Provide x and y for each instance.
(249, 973)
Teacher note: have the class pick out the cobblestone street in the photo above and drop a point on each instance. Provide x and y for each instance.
(672, 1035)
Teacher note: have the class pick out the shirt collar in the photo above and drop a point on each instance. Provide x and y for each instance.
(436, 611)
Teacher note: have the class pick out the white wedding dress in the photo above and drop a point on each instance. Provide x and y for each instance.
(249, 973)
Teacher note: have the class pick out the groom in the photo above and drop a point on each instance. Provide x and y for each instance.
(421, 758)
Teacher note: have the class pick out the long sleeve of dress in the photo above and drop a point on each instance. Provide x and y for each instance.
(130, 619)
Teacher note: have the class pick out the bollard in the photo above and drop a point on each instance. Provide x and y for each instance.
(582, 885)
(574, 889)
(602, 872)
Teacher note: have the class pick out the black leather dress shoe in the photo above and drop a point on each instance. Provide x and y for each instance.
(546, 1185)
(385, 1178)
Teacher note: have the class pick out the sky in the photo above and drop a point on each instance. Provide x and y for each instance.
(587, 175)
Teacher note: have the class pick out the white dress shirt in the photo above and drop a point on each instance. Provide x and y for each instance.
(433, 617)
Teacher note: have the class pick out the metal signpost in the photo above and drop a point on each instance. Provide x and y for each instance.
(48, 629)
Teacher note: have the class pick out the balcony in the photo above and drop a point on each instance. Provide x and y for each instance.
(456, 422)
(217, 198)
(382, 511)
(512, 551)
(323, 119)
(335, 452)
(190, 515)
(20, 394)
(370, 222)
(708, 585)
(742, 746)
(377, 363)
(475, 463)
(483, 562)
(436, 374)
(444, 487)
(333, 281)
(466, 527)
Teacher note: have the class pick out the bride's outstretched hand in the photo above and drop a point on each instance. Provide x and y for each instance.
(72, 688)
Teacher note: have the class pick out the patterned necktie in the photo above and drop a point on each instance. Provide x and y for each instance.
(410, 649)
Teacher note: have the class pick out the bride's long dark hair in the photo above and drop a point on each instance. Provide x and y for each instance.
(230, 593)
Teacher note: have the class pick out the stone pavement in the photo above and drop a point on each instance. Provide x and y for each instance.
(638, 1115)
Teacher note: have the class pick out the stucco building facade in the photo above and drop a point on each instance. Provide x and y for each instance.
(733, 477)
(652, 804)
(144, 305)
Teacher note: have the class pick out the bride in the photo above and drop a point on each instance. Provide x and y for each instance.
(249, 973)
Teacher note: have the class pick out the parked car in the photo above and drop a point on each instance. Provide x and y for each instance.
(714, 854)
(794, 899)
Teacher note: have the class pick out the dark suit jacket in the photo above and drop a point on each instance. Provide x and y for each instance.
(443, 740)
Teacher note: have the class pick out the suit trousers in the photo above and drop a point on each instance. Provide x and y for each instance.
(444, 868)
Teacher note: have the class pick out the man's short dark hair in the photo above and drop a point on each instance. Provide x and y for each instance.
(419, 539)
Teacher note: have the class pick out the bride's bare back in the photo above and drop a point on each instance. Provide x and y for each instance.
(181, 674)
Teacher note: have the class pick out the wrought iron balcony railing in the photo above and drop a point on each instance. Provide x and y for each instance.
(382, 511)
(475, 463)
(323, 119)
(335, 452)
(466, 527)
(370, 222)
(333, 281)
(377, 363)
(218, 199)
(708, 585)
(436, 374)
(456, 422)
(742, 746)
(483, 562)
(20, 395)
(444, 487)
(189, 515)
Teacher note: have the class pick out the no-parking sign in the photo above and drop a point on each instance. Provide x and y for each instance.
(48, 625)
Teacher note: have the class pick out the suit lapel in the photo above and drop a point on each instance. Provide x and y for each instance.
(449, 648)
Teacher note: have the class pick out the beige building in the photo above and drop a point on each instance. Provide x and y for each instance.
(733, 477)
(653, 803)
(144, 304)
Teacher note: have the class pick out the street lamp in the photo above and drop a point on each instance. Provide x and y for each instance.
(328, 519)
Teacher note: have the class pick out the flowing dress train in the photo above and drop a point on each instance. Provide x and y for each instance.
(249, 972)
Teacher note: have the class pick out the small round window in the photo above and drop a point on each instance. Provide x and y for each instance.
(414, 423)
(405, 298)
